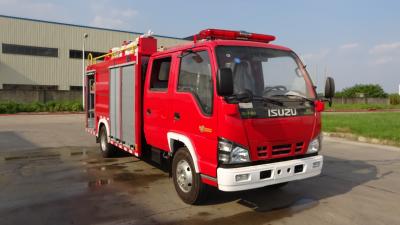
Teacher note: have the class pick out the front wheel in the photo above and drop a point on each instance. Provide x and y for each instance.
(187, 182)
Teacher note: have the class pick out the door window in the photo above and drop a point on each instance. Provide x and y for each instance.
(195, 77)
(160, 74)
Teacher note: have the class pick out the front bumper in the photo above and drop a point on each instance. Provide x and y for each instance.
(269, 174)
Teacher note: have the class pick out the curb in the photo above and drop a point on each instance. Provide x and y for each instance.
(362, 139)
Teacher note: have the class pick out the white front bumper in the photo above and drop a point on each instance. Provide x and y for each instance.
(280, 172)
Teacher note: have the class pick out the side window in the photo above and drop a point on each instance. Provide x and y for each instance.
(160, 74)
(195, 77)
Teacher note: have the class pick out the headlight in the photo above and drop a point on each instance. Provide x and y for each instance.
(239, 155)
(230, 153)
(315, 145)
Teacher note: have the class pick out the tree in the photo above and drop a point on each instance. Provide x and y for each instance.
(365, 90)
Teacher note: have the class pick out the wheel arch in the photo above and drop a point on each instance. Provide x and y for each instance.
(176, 140)
(103, 122)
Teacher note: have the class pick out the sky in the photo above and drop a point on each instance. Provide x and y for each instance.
(355, 42)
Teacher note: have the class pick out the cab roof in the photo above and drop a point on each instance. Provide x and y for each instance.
(218, 42)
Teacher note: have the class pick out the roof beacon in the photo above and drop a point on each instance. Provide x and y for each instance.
(234, 35)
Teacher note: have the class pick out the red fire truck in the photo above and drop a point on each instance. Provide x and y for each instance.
(228, 110)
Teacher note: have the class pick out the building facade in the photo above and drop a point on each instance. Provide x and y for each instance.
(47, 56)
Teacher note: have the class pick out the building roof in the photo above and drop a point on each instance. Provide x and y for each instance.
(82, 26)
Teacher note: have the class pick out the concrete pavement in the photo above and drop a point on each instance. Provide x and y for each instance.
(51, 173)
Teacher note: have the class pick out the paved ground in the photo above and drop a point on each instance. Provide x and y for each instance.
(51, 173)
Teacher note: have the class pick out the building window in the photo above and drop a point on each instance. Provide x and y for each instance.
(29, 50)
(29, 87)
(75, 88)
(77, 54)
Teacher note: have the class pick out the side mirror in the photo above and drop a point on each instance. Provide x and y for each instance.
(225, 82)
(329, 89)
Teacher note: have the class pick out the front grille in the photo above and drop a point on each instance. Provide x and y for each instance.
(299, 147)
(272, 151)
(281, 149)
(262, 151)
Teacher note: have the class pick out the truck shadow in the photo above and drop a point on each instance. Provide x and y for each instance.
(338, 177)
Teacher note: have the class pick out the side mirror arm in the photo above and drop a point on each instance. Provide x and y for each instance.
(329, 100)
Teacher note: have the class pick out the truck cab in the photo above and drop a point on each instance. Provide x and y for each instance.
(233, 111)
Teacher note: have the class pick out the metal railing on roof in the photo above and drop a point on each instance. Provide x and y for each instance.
(114, 54)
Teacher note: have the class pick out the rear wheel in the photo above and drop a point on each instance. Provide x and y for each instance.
(107, 149)
(187, 182)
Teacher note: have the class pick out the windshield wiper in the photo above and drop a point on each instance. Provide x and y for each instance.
(295, 95)
(268, 100)
(237, 98)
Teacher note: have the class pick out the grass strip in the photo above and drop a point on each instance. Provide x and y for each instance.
(380, 125)
(338, 107)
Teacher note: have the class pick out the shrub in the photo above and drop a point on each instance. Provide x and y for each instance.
(394, 99)
(13, 107)
(369, 91)
(339, 94)
(9, 107)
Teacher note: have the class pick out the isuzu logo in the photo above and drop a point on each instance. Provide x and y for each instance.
(281, 112)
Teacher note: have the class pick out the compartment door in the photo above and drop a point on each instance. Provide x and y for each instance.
(89, 99)
(128, 105)
(115, 103)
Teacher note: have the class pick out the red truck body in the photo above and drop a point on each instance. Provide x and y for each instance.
(159, 102)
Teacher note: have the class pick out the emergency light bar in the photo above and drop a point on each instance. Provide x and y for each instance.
(233, 35)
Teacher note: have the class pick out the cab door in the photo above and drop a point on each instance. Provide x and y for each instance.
(157, 102)
(194, 111)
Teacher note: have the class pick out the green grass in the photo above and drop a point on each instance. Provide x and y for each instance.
(65, 106)
(336, 107)
(380, 125)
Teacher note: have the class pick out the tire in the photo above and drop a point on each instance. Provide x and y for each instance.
(107, 149)
(187, 182)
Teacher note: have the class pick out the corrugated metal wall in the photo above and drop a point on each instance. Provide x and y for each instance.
(61, 71)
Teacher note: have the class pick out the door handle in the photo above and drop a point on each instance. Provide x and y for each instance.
(177, 116)
(148, 111)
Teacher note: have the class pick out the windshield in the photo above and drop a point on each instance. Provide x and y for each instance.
(265, 72)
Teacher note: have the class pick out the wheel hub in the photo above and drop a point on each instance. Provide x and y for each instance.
(184, 176)
(103, 142)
